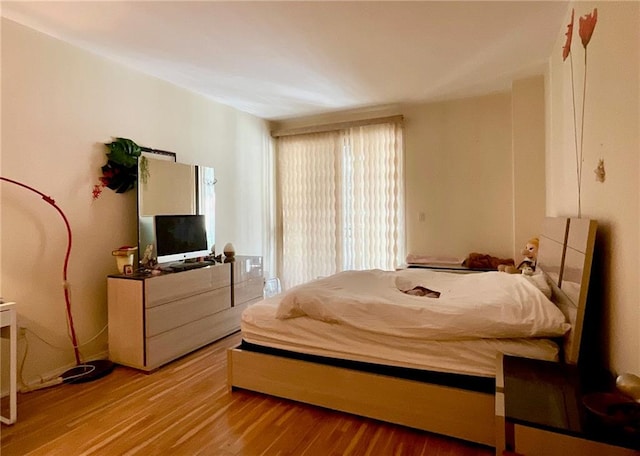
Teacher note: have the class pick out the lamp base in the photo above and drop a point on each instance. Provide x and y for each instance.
(88, 372)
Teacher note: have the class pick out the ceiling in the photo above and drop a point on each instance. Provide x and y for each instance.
(281, 60)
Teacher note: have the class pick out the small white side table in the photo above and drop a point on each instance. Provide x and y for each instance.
(8, 323)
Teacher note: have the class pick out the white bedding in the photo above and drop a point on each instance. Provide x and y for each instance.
(486, 305)
(306, 335)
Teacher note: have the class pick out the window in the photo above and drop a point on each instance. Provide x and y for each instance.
(341, 201)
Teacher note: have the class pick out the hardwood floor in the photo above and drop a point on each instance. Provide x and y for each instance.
(185, 408)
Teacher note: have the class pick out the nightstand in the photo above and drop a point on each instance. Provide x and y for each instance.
(539, 412)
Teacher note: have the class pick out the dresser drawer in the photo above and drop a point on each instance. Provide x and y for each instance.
(170, 344)
(248, 290)
(178, 313)
(247, 267)
(171, 287)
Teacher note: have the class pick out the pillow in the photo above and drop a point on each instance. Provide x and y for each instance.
(539, 280)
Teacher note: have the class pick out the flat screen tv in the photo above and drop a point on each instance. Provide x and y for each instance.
(180, 237)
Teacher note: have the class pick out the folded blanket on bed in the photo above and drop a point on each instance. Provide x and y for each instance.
(485, 305)
(414, 258)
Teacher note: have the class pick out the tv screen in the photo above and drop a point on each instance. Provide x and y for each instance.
(180, 237)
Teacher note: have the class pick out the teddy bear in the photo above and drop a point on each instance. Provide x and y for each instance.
(528, 263)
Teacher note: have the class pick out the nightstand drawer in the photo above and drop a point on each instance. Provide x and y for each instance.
(532, 442)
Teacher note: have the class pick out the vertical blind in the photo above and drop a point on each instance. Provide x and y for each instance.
(341, 201)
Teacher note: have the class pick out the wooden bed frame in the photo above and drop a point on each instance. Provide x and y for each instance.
(565, 255)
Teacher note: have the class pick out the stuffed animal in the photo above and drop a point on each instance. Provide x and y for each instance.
(528, 263)
(483, 261)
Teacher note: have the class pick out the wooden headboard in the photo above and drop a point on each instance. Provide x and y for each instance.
(565, 256)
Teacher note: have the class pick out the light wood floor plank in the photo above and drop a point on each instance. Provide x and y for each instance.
(185, 408)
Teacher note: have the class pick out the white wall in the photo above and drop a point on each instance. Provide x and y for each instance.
(528, 151)
(611, 131)
(59, 106)
(459, 174)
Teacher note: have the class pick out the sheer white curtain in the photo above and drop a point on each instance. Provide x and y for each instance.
(340, 197)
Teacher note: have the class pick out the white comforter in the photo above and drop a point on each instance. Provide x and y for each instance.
(484, 305)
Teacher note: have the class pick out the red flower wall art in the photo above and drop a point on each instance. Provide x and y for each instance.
(587, 25)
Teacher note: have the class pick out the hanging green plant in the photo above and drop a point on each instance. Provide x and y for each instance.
(144, 169)
(120, 173)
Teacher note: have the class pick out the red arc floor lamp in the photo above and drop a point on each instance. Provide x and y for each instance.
(83, 371)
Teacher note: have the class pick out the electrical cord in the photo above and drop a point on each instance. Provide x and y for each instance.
(25, 388)
(46, 383)
(66, 348)
(84, 369)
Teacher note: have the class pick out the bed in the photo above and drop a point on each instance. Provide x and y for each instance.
(445, 384)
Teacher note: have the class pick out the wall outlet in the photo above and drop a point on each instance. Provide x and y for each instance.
(22, 331)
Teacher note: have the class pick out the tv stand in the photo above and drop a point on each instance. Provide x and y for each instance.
(156, 319)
